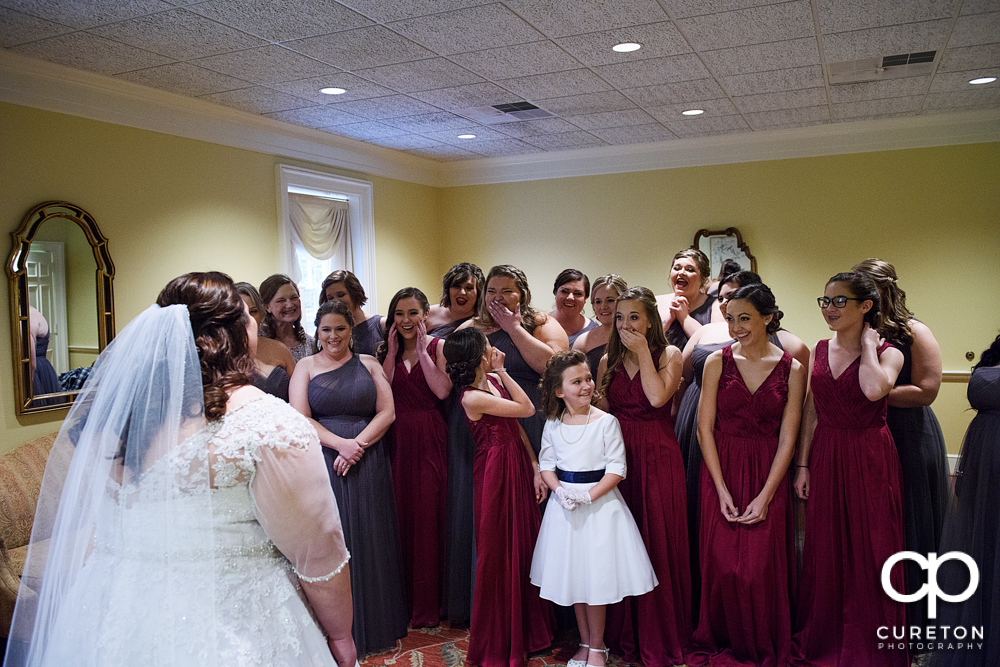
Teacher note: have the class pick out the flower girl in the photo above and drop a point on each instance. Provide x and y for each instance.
(589, 551)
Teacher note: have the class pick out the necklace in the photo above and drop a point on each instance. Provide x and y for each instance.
(583, 433)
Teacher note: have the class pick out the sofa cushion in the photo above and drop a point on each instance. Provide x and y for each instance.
(21, 473)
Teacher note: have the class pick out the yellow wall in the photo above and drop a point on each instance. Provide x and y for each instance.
(169, 205)
(931, 212)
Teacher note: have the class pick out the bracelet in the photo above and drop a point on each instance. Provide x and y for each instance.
(325, 577)
(806, 467)
(499, 370)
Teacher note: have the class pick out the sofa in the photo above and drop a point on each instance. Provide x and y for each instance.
(20, 480)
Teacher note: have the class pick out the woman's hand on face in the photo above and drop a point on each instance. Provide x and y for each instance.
(392, 344)
(801, 483)
(633, 341)
(870, 337)
(679, 308)
(421, 336)
(496, 359)
(504, 319)
(351, 450)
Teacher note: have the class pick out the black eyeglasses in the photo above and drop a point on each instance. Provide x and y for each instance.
(837, 301)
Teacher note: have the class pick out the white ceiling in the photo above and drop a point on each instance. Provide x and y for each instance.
(409, 65)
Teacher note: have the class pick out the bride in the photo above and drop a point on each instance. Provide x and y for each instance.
(178, 505)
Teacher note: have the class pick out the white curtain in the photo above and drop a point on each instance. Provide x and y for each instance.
(320, 227)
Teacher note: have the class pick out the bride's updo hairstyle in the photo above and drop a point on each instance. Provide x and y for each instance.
(464, 350)
(761, 298)
(219, 323)
(552, 380)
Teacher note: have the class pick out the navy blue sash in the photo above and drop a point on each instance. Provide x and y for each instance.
(583, 477)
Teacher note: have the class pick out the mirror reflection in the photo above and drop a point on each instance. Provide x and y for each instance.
(724, 247)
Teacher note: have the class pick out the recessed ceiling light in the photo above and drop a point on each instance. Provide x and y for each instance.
(625, 47)
(985, 79)
(693, 112)
(332, 91)
(466, 136)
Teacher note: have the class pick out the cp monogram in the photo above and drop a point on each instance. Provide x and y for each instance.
(930, 589)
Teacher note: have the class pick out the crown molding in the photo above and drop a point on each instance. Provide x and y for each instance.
(832, 139)
(50, 86)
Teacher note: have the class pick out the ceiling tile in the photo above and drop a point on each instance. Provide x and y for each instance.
(704, 127)
(756, 25)
(178, 34)
(637, 134)
(419, 75)
(774, 81)
(517, 61)
(893, 105)
(365, 130)
(848, 15)
(380, 108)
(87, 14)
(472, 29)
(504, 147)
(443, 153)
(976, 29)
(763, 57)
(464, 97)
(557, 84)
(956, 81)
(451, 136)
(980, 97)
(430, 122)
(318, 116)
(257, 100)
(791, 99)
(574, 105)
(90, 52)
(19, 28)
(533, 128)
(558, 18)
(979, 6)
(394, 10)
(629, 117)
(672, 112)
(908, 38)
(266, 64)
(657, 39)
(361, 48)
(788, 117)
(281, 21)
(685, 8)
(554, 142)
(184, 78)
(970, 57)
(676, 93)
(876, 90)
(637, 73)
(356, 87)
(405, 141)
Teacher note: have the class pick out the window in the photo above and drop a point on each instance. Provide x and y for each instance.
(355, 250)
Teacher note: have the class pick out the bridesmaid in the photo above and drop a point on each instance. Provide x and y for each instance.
(461, 294)
(594, 342)
(368, 331)
(414, 364)
(526, 336)
(641, 373)
(688, 308)
(923, 456)
(748, 420)
(347, 398)
(274, 362)
(283, 316)
(848, 473)
(572, 289)
(509, 619)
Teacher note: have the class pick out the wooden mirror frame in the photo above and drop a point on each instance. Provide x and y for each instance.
(18, 281)
(729, 231)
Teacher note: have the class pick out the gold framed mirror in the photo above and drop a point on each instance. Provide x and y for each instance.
(722, 245)
(61, 318)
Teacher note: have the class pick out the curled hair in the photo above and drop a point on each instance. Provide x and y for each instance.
(464, 350)
(351, 284)
(612, 280)
(457, 275)
(864, 288)
(655, 336)
(250, 292)
(531, 319)
(700, 259)
(895, 315)
(219, 324)
(406, 293)
(761, 298)
(729, 267)
(551, 380)
(268, 289)
(569, 276)
(990, 356)
(335, 308)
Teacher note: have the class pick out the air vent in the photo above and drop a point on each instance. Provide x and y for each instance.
(505, 113)
(881, 68)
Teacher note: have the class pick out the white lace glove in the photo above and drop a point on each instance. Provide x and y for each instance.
(579, 496)
(564, 499)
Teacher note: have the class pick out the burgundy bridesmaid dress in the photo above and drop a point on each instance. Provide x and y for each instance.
(854, 523)
(654, 627)
(745, 618)
(509, 620)
(419, 475)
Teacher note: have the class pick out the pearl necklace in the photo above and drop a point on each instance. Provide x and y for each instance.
(585, 425)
